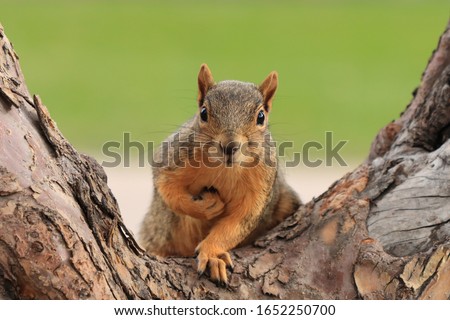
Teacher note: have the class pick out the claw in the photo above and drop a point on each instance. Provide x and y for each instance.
(212, 190)
(213, 265)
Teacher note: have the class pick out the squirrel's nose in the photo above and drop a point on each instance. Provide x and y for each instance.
(231, 147)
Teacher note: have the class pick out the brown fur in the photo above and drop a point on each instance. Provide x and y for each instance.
(211, 209)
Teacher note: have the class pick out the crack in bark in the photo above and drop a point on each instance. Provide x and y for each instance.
(419, 228)
(426, 196)
(425, 284)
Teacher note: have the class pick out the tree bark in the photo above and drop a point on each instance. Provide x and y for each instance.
(380, 232)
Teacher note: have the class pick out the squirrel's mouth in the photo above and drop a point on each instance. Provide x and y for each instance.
(230, 160)
(231, 152)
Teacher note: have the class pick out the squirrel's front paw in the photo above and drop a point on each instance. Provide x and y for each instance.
(215, 261)
(209, 204)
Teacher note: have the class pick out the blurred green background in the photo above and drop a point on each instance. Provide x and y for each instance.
(108, 67)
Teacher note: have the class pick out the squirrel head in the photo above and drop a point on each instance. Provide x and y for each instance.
(234, 114)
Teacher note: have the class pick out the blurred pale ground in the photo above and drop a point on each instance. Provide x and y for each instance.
(108, 67)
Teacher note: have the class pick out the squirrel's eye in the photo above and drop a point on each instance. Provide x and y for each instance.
(204, 114)
(260, 118)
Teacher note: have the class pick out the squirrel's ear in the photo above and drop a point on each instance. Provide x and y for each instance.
(205, 82)
(268, 88)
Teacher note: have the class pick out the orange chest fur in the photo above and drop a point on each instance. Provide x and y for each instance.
(234, 184)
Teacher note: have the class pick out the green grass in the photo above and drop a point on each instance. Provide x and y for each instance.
(108, 67)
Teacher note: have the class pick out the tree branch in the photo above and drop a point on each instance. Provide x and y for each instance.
(381, 231)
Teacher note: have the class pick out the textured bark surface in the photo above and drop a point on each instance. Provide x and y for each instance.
(382, 231)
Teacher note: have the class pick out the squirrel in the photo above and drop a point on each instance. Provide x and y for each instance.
(219, 186)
